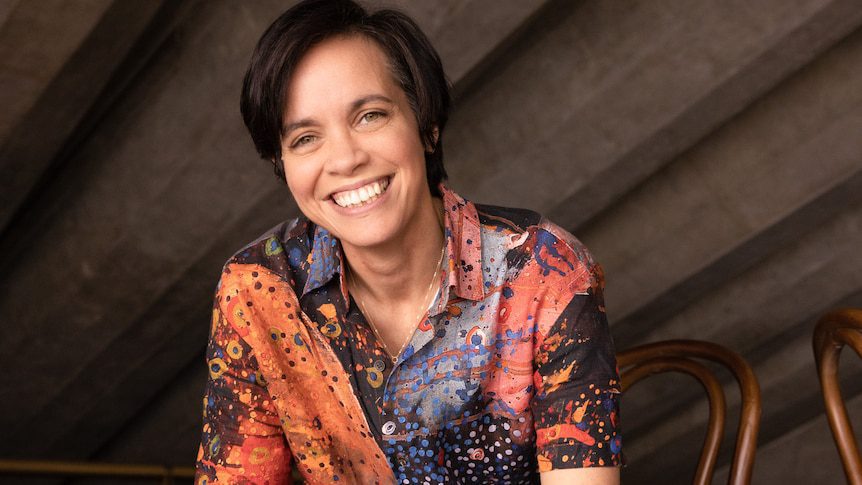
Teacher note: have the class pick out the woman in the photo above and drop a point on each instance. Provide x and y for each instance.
(396, 332)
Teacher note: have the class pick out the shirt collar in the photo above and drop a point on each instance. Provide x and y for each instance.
(463, 270)
(324, 261)
(463, 246)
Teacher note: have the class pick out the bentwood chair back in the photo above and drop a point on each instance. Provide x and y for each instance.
(833, 331)
(642, 361)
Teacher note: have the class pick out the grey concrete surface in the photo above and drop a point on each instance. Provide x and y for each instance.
(806, 454)
(707, 152)
(780, 298)
(775, 158)
(589, 107)
(141, 235)
(34, 47)
(468, 33)
(54, 79)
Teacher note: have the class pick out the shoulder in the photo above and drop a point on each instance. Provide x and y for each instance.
(565, 241)
(507, 219)
(276, 247)
(527, 229)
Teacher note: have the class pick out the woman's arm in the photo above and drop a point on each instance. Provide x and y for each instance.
(576, 386)
(242, 437)
(582, 476)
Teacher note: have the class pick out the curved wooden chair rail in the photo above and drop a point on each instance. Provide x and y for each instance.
(833, 331)
(642, 361)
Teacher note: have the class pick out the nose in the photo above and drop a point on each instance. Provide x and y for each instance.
(346, 153)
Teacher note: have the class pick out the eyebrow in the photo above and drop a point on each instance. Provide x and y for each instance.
(358, 103)
(367, 99)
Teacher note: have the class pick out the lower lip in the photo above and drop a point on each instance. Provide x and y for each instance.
(360, 209)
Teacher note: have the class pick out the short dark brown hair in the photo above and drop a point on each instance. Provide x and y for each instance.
(415, 66)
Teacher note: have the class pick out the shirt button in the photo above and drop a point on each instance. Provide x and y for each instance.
(380, 365)
(388, 428)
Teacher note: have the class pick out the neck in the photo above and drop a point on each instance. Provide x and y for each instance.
(400, 271)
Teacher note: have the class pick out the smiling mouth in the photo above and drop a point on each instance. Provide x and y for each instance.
(361, 196)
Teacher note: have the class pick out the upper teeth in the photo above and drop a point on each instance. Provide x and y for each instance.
(362, 195)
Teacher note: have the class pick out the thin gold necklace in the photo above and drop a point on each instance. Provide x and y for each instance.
(422, 307)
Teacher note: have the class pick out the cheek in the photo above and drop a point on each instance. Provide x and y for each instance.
(301, 181)
(408, 149)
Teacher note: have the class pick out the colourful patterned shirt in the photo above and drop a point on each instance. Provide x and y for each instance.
(510, 373)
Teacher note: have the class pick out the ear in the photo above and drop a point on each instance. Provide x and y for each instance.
(435, 134)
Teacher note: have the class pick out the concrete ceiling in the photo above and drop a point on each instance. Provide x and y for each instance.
(709, 154)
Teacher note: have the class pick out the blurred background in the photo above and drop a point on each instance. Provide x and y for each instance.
(709, 153)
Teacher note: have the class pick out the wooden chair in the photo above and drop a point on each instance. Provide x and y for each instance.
(678, 356)
(833, 331)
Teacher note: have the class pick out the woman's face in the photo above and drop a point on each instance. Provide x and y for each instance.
(352, 154)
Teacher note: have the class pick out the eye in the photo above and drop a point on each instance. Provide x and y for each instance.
(303, 140)
(371, 117)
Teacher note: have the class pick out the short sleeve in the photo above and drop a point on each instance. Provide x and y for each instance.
(242, 440)
(576, 402)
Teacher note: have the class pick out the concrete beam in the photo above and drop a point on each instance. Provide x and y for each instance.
(696, 306)
(637, 326)
(744, 192)
(146, 219)
(173, 419)
(733, 90)
(55, 79)
(158, 350)
(469, 34)
(564, 108)
(36, 41)
(767, 314)
(163, 143)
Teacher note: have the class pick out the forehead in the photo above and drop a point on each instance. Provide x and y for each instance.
(336, 72)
